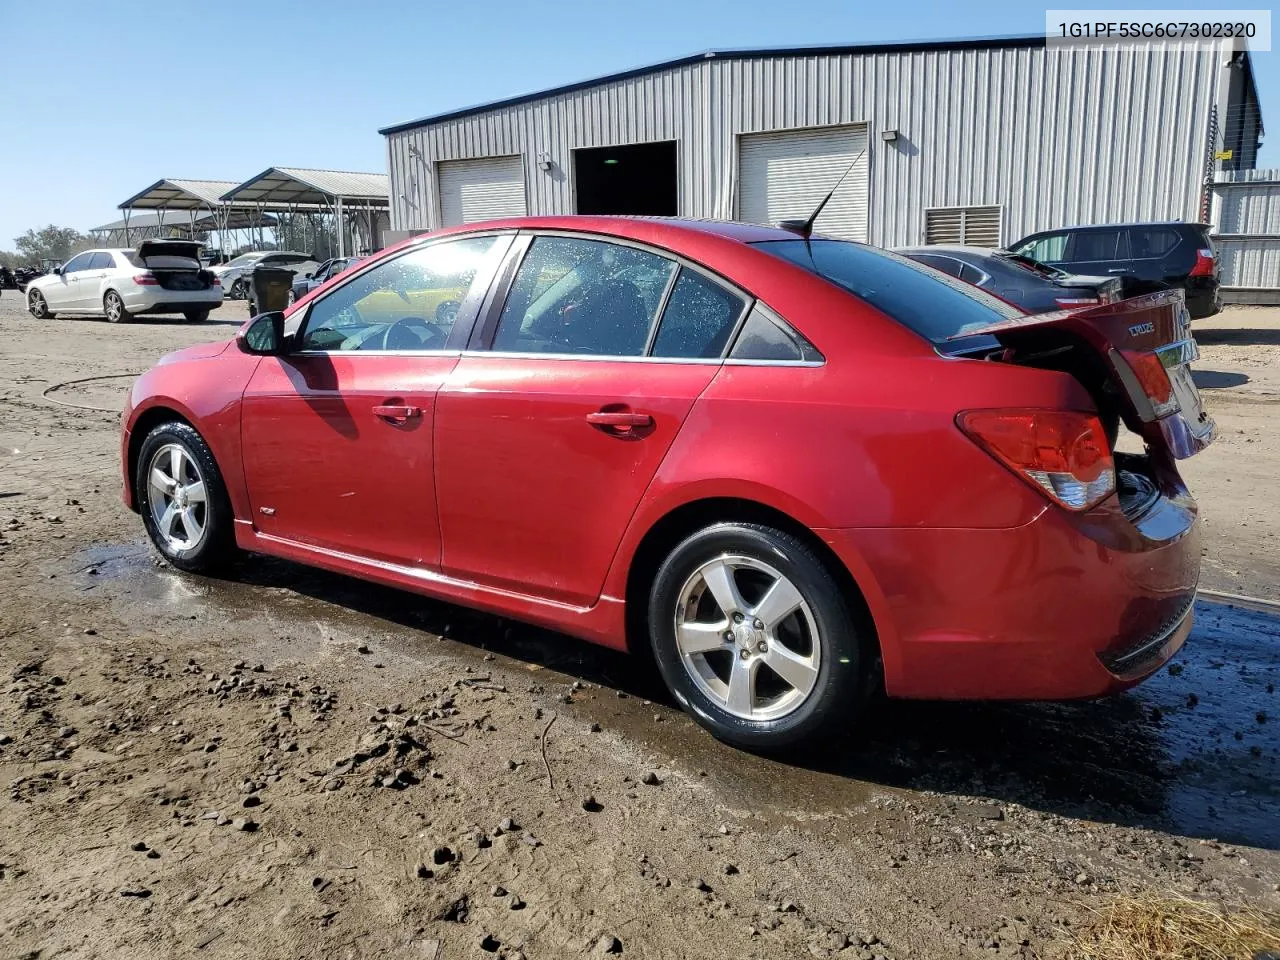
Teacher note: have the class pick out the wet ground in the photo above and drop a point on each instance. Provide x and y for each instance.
(1195, 750)
(296, 749)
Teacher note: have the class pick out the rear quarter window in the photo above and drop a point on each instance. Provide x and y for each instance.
(931, 303)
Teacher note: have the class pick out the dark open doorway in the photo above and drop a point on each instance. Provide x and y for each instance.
(638, 179)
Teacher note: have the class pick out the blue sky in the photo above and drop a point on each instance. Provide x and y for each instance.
(104, 97)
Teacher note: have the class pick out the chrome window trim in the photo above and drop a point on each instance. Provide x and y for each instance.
(597, 357)
(775, 363)
(375, 353)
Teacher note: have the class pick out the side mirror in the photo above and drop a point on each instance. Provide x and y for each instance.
(306, 276)
(57, 271)
(264, 336)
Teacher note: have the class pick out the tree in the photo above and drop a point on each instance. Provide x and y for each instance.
(51, 242)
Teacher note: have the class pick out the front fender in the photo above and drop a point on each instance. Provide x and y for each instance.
(205, 392)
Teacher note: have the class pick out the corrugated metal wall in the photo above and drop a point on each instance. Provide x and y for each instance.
(1246, 219)
(1055, 137)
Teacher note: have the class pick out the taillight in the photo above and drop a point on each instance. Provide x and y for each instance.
(1062, 453)
(1075, 301)
(1154, 380)
(1204, 263)
(215, 280)
(146, 279)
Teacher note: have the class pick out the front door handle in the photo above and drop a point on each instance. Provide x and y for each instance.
(1118, 270)
(619, 423)
(396, 412)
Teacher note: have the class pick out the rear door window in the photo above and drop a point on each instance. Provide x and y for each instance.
(699, 318)
(1150, 243)
(101, 261)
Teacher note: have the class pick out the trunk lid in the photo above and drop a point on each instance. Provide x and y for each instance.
(1145, 348)
(184, 249)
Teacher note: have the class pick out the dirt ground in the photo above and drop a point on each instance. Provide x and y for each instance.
(292, 764)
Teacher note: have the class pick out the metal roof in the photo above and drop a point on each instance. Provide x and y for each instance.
(237, 219)
(180, 195)
(286, 186)
(905, 46)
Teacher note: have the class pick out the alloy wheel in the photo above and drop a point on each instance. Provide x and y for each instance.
(747, 638)
(36, 305)
(178, 497)
(114, 308)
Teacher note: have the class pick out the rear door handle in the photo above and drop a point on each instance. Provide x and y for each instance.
(1118, 270)
(619, 423)
(396, 412)
(611, 418)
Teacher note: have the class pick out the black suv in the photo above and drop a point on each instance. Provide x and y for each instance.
(1145, 256)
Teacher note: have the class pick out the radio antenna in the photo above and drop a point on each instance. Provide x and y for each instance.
(805, 227)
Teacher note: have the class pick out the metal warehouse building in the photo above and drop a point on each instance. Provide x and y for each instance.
(977, 141)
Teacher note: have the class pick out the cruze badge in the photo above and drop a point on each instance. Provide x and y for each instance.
(1138, 329)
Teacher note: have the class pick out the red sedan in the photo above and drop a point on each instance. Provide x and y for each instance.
(797, 470)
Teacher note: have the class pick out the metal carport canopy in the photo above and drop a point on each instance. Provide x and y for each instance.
(290, 188)
(285, 187)
(180, 195)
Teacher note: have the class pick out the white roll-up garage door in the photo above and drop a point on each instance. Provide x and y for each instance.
(488, 189)
(785, 175)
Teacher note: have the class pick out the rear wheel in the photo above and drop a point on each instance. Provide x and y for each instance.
(196, 316)
(183, 500)
(37, 306)
(113, 306)
(755, 639)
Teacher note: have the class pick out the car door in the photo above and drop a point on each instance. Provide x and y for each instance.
(337, 433)
(547, 438)
(1097, 252)
(89, 281)
(64, 292)
(1149, 263)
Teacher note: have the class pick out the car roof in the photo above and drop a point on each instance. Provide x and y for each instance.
(1133, 223)
(637, 227)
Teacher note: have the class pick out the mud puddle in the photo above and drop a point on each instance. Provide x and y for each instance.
(1195, 750)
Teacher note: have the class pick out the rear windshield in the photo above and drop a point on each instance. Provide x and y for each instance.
(931, 303)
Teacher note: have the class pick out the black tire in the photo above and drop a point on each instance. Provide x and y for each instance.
(114, 309)
(840, 689)
(239, 290)
(216, 547)
(37, 306)
(196, 316)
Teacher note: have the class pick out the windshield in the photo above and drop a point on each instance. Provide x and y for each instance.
(933, 304)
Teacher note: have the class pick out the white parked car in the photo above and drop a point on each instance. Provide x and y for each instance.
(237, 274)
(161, 276)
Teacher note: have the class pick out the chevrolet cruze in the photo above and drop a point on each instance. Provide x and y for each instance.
(797, 470)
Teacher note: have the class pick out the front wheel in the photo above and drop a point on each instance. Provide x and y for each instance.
(239, 290)
(113, 306)
(754, 637)
(183, 500)
(37, 305)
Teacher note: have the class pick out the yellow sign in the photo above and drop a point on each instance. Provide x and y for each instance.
(1222, 155)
